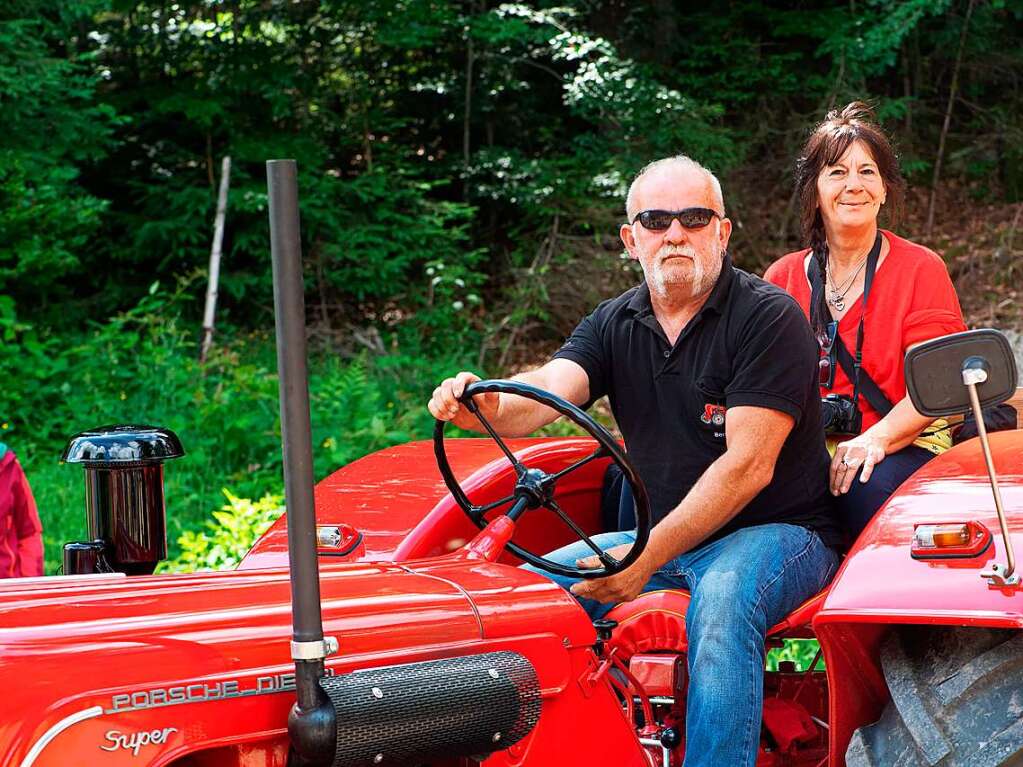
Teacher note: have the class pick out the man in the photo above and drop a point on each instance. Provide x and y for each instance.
(712, 377)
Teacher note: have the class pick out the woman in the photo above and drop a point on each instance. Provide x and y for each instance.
(846, 174)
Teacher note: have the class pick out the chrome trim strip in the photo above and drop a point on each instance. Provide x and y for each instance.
(57, 729)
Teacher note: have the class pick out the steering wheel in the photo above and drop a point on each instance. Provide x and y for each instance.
(534, 488)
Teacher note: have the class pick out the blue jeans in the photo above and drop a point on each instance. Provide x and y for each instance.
(741, 585)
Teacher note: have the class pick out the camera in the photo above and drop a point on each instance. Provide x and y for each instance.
(840, 415)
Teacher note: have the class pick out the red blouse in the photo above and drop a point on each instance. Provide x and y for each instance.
(21, 540)
(911, 300)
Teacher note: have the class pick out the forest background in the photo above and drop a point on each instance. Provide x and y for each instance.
(462, 168)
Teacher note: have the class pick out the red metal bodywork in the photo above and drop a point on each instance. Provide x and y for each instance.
(206, 655)
(207, 644)
(135, 647)
(879, 580)
(880, 584)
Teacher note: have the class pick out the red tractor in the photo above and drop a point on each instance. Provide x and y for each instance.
(416, 640)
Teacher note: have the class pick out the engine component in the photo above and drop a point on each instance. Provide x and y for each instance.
(664, 676)
(124, 499)
(82, 557)
(407, 714)
(671, 737)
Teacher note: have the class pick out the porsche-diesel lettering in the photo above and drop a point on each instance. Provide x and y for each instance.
(203, 692)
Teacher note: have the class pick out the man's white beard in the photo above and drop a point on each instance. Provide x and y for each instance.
(700, 280)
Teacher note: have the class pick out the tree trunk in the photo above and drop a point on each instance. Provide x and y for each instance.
(470, 62)
(948, 120)
(218, 241)
(367, 142)
(907, 94)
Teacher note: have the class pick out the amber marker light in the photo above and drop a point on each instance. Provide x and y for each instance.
(959, 540)
(337, 540)
(941, 536)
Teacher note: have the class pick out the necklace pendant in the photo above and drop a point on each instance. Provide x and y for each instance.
(836, 299)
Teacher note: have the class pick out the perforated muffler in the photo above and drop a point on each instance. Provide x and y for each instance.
(467, 706)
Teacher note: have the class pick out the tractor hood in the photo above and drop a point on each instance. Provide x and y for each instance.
(386, 495)
(881, 583)
(168, 650)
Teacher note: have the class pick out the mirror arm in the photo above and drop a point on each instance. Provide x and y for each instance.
(974, 372)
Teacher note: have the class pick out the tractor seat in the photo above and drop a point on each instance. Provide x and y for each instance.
(656, 622)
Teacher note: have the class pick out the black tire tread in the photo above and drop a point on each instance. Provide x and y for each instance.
(980, 669)
(957, 700)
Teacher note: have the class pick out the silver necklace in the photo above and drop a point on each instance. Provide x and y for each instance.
(836, 293)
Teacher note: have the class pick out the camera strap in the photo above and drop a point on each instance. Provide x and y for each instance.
(853, 365)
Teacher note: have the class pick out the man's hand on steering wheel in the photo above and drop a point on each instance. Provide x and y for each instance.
(445, 403)
(623, 586)
(593, 562)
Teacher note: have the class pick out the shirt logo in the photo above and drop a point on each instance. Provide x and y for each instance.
(713, 414)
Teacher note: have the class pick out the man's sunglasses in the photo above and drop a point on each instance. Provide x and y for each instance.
(826, 364)
(689, 218)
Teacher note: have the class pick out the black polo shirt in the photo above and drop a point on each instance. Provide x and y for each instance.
(750, 344)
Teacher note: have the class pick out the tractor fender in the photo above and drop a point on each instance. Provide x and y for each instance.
(881, 589)
(880, 581)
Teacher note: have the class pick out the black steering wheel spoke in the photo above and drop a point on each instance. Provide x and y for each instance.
(580, 533)
(535, 488)
(609, 562)
(479, 511)
(600, 452)
(516, 464)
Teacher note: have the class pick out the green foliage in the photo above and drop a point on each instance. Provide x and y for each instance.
(142, 367)
(432, 132)
(225, 539)
(462, 169)
(867, 42)
(317, 84)
(802, 652)
(53, 127)
(139, 367)
(608, 90)
(393, 245)
(620, 116)
(368, 404)
(353, 417)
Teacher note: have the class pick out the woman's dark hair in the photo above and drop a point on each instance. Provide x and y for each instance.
(825, 146)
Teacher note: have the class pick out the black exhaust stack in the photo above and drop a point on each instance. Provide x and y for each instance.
(124, 498)
(311, 723)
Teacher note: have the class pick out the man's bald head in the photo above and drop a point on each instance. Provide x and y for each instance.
(682, 163)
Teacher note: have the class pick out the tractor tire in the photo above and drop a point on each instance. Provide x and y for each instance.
(957, 700)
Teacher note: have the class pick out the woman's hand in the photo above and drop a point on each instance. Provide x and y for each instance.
(865, 450)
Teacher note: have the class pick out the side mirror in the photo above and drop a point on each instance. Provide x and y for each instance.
(936, 371)
(968, 371)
